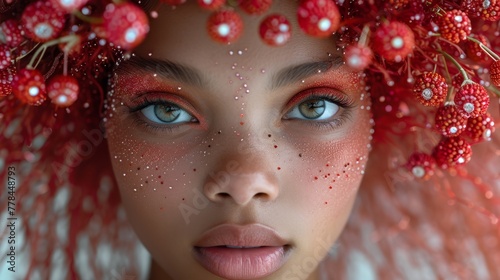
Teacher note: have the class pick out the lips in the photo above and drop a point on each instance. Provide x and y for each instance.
(241, 252)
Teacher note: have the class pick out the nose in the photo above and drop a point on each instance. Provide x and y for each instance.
(241, 181)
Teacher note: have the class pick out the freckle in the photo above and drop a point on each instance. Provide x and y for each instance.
(161, 182)
(159, 176)
(209, 146)
(219, 132)
(300, 155)
(146, 182)
(326, 202)
(138, 168)
(183, 198)
(275, 146)
(194, 169)
(269, 135)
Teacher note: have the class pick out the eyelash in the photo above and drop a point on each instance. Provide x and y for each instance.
(344, 102)
(149, 101)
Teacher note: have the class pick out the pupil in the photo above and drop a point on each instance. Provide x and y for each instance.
(312, 109)
(167, 113)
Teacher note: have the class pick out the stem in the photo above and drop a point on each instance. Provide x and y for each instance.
(364, 35)
(494, 90)
(487, 50)
(81, 16)
(70, 39)
(460, 68)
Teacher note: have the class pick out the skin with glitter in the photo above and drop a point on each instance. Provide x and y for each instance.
(203, 134)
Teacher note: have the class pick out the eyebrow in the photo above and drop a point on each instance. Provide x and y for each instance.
(165, 68)
(187, 75)
(295, 73)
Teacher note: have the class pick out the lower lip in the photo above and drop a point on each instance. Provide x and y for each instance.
(241, 264)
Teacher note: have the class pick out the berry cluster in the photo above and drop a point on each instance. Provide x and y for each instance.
(443, 54)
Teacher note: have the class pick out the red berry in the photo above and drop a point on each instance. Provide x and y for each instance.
(5, 57)
(69, 5)
(480, 128)
(452, 151)
(318, 18)
(421, 165)
(488, 9)
(126, 24)
(6, 77)
(449, 121)
(255, 7)
(454, 26)
(42, 22)
(63, 90)
(275, 30)
(393, 41)
(358, 57)
(174, 2)
(29, 86)
(225, 26)
(474, 51)
(430, 89)
(472, 100)
(11, 33)
(495, 73)
(211, 4)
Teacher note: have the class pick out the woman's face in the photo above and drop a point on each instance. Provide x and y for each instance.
(237, 161)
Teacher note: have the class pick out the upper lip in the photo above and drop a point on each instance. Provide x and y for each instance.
(252, 235)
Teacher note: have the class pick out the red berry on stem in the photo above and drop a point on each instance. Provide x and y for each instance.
(42, 21)
(275, 30)
(449, 121)
(211, 4)
(480, 128)
(358, 57)
(488, 9)
(69, 5)
(421, 165)
(430, 89)
(454, 26)
(255, 7)
(11, 33)
(318, 18)
(495, 73)
(6, 77)
(126, 24)
(29, 86)
(63, 90)
(5, 57)
(472, 100)
(474, 51)
(452, 151)
(225, 26)
(393, 41)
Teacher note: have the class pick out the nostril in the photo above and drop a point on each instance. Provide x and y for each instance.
(224, 195)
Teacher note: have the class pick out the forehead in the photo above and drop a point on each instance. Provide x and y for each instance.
(181, 35)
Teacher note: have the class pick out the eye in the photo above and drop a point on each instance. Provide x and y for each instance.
(314, 109)
(166, 113)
